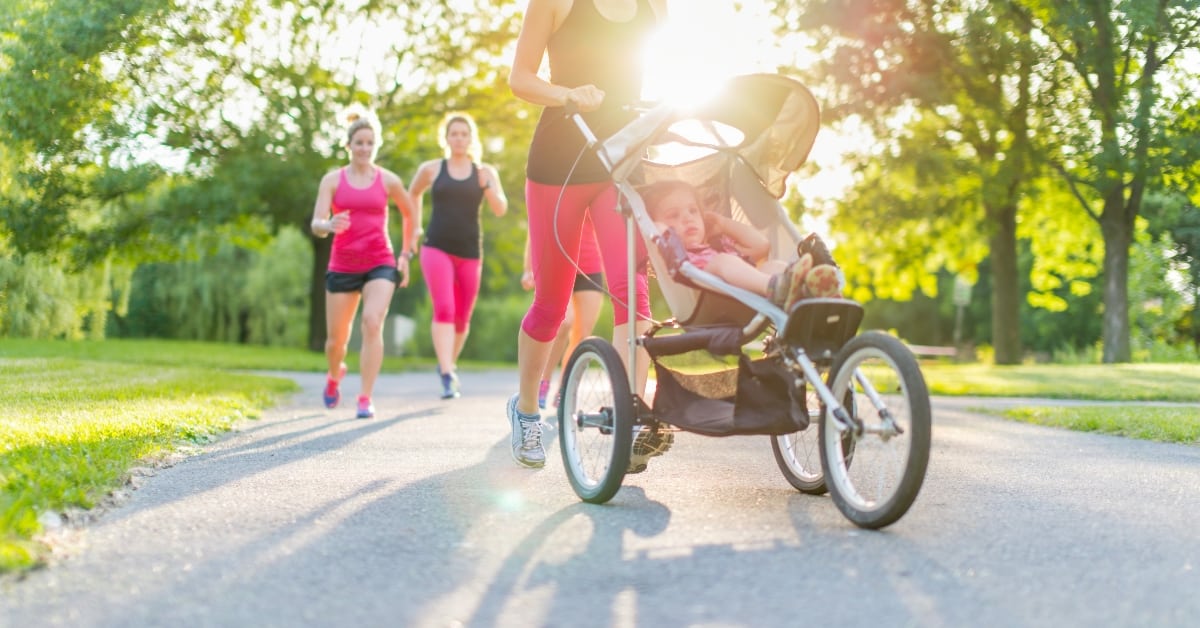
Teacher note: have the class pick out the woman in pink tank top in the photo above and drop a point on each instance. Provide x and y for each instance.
(352, 204)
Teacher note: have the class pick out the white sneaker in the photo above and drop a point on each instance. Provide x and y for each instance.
(526, 437)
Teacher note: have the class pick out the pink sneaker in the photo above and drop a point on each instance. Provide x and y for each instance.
(543, 391)
(332, 395)
(366, 409)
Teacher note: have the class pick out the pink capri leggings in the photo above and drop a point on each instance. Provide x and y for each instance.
(453, 285)
(554, 267)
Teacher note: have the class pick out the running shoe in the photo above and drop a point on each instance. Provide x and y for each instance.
(543, 391)
(647, 444)
(450, 385)
(331, 395)
(526, 437)
(366, 409)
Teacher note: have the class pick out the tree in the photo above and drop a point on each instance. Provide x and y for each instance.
(1113, 128)
(920, 72)
(171, 120)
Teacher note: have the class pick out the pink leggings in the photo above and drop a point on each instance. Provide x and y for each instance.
(453, 285)
(554, 272)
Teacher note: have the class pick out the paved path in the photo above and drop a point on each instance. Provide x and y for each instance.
(419, 517)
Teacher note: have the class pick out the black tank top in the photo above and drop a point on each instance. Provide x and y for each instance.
(587, 48)
(454, 225)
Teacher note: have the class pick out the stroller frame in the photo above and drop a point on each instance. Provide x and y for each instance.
(811, 354)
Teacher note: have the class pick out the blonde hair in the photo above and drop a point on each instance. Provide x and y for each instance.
(475, 149)
(358, 118)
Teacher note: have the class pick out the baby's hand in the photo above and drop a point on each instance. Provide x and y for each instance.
(712, 224)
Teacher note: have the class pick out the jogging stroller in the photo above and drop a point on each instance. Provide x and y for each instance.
(779, 371)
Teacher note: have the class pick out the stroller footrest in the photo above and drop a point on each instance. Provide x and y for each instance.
(822, 326)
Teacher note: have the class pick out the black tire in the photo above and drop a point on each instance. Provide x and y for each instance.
(797, 454)
(889, 467)
(595, 421)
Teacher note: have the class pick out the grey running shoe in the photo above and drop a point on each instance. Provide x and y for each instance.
(450, 388)
(526, 437)
(647, 444)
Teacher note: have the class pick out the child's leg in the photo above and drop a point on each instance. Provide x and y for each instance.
(773, 266)
(740, 273)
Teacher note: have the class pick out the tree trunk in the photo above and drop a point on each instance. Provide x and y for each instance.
(1118, 235)
(316, 293)
(1006, 294)
(1196, 316)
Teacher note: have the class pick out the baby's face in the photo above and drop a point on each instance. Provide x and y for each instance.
(680, 211)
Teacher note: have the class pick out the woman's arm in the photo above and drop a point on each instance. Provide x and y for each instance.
(542, 18)
(322, 223)
(660, 9)
(416, 192)
(395, 188)
(493, 191)
(527, 269)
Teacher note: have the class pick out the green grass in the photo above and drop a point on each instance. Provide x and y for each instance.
(206, 354)
(168, 353)
(71, 429)
(1108, 382)
(1163, 424)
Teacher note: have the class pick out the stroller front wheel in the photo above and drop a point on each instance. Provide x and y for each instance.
(887, 404)
(595, 418)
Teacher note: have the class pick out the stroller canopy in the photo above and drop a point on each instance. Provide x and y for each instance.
(776, 117)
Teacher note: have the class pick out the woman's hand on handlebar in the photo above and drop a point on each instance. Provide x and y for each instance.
(584, 98)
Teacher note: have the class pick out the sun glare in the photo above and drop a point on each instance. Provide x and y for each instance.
(703, 43)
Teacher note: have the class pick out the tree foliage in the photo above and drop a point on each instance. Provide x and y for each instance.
(947, 89)
(160, 128)
(1013, 87)
(1112, 125)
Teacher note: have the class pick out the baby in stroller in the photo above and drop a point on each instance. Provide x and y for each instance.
(737, 252)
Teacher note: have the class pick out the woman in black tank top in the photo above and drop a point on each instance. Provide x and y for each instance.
(451, 258)
(595, 49)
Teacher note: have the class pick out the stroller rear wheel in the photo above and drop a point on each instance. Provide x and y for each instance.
(595, 418)
(887, 402)
(797, 454)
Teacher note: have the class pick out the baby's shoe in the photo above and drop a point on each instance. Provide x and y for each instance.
(823, 281)
(789, 282)
(815, 246)
(796, 276)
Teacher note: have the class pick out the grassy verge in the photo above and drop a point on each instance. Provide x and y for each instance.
(1163, 424)
(71, 429)
(207, 354)
(168, 353)
(1107, 382)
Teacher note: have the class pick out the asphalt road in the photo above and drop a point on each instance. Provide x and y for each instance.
(419, 517)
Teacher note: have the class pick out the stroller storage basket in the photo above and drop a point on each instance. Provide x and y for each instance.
(753, 398)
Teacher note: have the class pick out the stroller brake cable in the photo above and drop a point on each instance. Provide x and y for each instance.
(575, 262)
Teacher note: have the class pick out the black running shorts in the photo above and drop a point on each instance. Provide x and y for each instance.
(353, 282)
